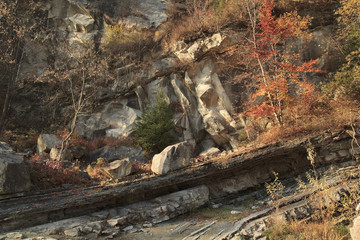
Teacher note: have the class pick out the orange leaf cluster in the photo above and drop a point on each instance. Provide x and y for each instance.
(280, 83)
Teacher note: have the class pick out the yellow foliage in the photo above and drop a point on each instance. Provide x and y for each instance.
(119, 39)
(300, 25)
(349, 13)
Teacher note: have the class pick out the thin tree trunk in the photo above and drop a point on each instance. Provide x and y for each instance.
(253, 26)
(77, 106)
(19, 55)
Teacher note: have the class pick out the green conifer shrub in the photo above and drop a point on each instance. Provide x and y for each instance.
(154, 129)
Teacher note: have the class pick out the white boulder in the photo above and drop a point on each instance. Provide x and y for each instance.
(172, 157)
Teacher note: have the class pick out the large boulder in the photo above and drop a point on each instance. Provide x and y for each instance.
(14, 174)
(46, 142)
(115, 120)
(119, 168)
(172, 157)
(115, 153)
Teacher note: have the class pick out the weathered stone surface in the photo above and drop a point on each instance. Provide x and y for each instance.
(156, 210)
(115, 120)
(153, 87)
(54, 154)
(96, 227)
(119, 168)
(61, 9)
(355, 229)
(160, 67)
(189, 103)
(60, 226)
(254, 166)
(15, 235)
(35, 61)
(153, 12)
(213, 103)
(182, 123)
(172, 157)
(115, 153)
(81, 23)
(73, 232)
(46, 142)
(76, 39)
(211, 42)
(101, 215)
(188, 53)
(117, 221)
(210, 152)
(207, 95)
(14, 174)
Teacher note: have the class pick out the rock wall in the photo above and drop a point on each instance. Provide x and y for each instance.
(204, 112)
(110, 222)
(234, 178)
(288, 163)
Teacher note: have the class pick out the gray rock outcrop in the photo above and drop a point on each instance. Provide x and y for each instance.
(172, 157)
(187, 53)
(14, 174)
(115, 120)
(202, 88)
(119, 168)
(46, 142)
(107, 223)
(114, 153)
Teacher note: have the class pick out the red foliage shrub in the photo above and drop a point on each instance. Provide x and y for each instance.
(49, 174)
(281, 83)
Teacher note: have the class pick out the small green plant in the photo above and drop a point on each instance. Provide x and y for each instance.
(342, 230)
(218, 5)
(154, 129)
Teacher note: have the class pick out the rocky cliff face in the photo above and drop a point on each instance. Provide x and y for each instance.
(204, 112)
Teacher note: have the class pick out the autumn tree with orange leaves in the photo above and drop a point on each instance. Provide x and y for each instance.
(280, 83)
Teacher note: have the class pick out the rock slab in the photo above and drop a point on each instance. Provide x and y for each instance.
(14, 174)
(120, 168)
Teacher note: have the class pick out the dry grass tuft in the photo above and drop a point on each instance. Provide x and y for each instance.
(306, 122)
(300, 230)
(333, 211)
(198, 18)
